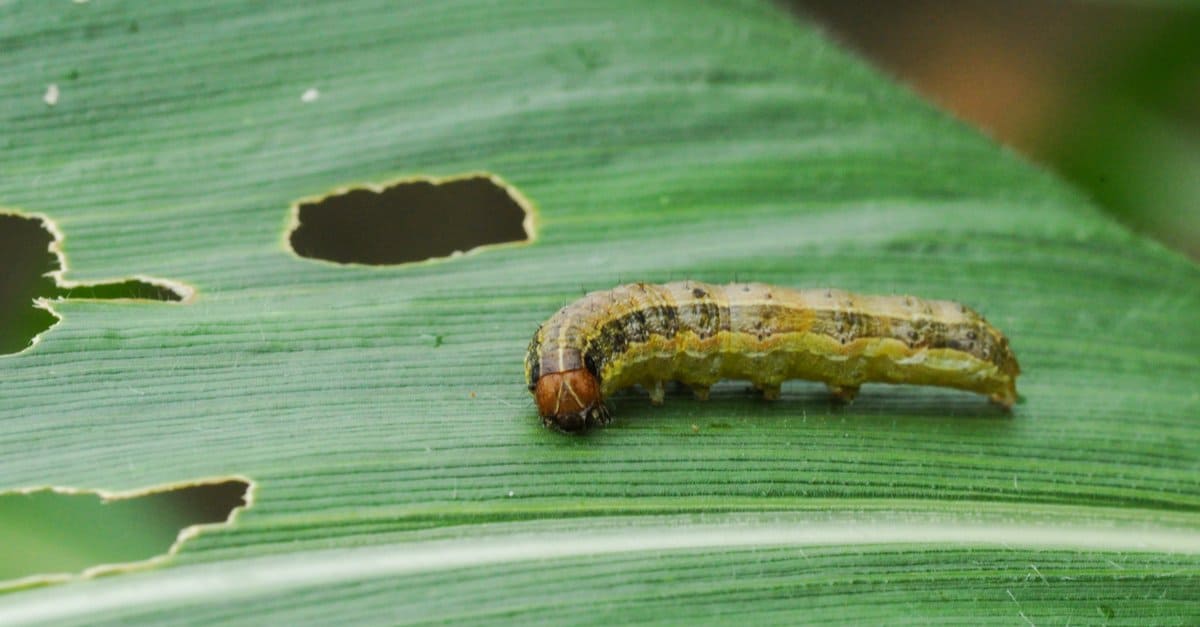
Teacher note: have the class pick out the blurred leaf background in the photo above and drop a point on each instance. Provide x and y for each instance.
(1105, 93)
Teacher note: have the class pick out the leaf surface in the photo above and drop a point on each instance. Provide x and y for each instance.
(381, 413)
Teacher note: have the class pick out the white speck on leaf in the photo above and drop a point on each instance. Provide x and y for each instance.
(510, 493)
(51, 95)
(310, 95)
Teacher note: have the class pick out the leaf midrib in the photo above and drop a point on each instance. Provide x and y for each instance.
(258, 576)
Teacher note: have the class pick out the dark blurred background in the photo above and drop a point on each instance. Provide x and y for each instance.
(1106, 93)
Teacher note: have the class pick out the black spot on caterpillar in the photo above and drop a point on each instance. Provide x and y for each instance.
(698, 334)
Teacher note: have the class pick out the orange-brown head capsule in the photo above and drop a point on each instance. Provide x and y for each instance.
(564, 384)
(570, 400)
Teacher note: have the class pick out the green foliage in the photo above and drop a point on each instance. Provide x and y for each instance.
(400, 471)
(1134, 144)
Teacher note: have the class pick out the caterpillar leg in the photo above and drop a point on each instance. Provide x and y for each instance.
(657, 393)
(701, 391)
(600, 414)
(1005, 399)
(770, 391)
(843, 393)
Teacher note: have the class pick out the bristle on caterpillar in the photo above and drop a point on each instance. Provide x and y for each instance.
(698, 334)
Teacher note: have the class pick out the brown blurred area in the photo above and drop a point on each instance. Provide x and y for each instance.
(1105, 93)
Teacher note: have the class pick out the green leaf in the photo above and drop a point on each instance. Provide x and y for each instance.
(398, 478)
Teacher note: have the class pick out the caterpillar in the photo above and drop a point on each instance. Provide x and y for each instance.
(698, 334)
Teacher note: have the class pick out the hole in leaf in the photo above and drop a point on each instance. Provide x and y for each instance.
(412, 220)
(30, 271)
(54, 535)
(132, 289)
(26, 264)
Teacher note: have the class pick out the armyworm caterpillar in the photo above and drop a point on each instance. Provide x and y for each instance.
(698, 334)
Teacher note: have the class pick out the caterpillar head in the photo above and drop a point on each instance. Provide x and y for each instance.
(570, 400)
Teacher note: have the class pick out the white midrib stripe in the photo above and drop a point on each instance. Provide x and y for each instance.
(251, 577)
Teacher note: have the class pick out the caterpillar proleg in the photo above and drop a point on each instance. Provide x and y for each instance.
(698, 334)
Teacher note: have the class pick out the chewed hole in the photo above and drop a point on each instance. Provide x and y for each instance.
(26, 264)
(411, 220)
(51, 535)
(132, 289)
(31, 268)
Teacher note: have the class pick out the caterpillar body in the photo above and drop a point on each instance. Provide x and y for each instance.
(698, 334)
